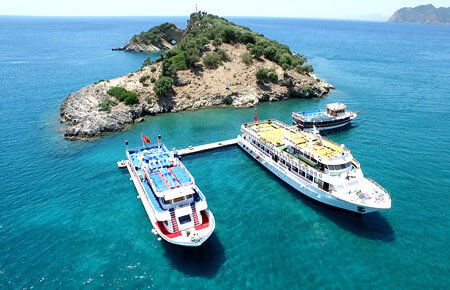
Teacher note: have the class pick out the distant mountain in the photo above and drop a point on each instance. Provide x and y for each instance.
(422, 14)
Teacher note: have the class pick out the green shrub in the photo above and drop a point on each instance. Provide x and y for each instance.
(163, 85)
(147, 62)
(247, 37)
(192, 56)
(273, 77)
(217, 42)
(126, 95)
(223, 55)
(131, 98)
(142, 79)
(152, 80)
(270, 52)
(168, 69)
(229, 35)
(179, 61)
(99, 81)
(305, 69)
(266, 75)
(153, 68)
(306, 89)
(257, 51)
(308, 68)
(211, 60)
(247, 58)
(121, 94)
(116, 92)
(106, 105)
(284, 59)
(262, 74)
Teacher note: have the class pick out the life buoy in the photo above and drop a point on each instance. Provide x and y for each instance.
(320, 175)
(315, 173)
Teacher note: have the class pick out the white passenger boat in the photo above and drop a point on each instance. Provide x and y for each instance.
(313, 165)
(334, 117)
(175, 205)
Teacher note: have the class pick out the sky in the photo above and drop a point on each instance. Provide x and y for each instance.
(379, 10)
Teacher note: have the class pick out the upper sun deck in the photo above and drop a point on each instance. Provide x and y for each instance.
(335, 111)
(166, 174)
(280, 134)
(313, 116)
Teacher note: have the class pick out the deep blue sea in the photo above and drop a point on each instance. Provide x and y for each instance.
(70, 218)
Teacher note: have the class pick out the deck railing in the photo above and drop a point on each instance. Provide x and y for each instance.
(290, 160)
(133, 170)
(379, 186)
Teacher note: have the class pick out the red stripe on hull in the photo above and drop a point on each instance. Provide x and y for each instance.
(165, 232)
(205, 221)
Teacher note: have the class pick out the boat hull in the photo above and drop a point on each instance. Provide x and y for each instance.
(339, 123)
(300, 184)
(326, 128)
(184, 241)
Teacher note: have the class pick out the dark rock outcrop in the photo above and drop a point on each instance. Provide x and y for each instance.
(158, 38)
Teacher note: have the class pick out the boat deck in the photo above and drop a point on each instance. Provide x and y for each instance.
(164, 172)
(274, 133)
(316, 116)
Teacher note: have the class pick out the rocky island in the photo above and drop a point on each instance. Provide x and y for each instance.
(427, 14)
(211, 63)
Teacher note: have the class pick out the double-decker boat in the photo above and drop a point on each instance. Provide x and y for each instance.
(175, 205)
(313, 165)
(334, 117)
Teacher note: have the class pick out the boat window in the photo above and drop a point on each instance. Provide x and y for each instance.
(178, 199)
(294, 169)
(166, 201)
(184, 219)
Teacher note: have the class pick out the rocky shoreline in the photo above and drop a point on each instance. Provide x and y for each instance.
(80, 110)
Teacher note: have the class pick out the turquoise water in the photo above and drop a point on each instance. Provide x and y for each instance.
(70, 218)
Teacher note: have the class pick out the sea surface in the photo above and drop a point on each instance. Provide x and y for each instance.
(70, 218)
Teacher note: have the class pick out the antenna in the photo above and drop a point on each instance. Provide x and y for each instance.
(196, 8)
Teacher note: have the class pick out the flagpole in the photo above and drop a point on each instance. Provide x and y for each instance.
(142, 138)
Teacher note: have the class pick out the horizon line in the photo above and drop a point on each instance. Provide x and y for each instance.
(187, 16)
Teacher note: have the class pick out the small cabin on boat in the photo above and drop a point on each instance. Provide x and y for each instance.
(335, 109)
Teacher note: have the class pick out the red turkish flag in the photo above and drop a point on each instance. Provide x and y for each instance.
(145, 139)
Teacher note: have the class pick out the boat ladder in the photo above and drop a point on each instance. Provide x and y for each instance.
(174, 221)
(194, 214)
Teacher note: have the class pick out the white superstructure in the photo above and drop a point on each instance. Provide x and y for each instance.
(313, 165)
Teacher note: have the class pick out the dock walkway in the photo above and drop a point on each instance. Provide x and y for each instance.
(206, 147)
